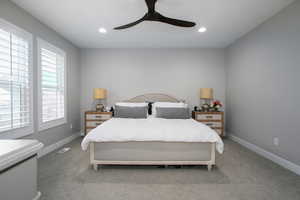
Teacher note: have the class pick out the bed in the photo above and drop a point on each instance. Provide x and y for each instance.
(152, 141)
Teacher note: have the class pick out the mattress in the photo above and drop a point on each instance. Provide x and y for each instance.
(153, 130)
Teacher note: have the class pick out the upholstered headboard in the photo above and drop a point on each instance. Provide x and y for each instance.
(154, 97)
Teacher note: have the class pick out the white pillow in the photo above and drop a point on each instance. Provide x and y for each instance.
(128, 104)
(167, 105)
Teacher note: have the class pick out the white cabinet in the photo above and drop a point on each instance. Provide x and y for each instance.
(18, 169)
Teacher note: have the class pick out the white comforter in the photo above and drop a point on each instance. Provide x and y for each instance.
(152, 129)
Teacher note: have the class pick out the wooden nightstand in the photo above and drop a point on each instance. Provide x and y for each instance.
(214, 120)
(92, 119)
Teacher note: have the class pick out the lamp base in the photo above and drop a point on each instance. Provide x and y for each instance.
(205, 106)
(99, 107)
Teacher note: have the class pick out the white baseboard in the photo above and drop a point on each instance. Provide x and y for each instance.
(57, 145)
(279, 160)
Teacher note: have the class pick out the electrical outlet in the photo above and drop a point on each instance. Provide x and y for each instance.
(276, 141)
(71, 126)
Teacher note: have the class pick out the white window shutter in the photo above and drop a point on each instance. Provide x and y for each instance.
(51, 85)
(15, 79)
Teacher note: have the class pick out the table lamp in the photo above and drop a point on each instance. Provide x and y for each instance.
(99, 94)
(207, 94)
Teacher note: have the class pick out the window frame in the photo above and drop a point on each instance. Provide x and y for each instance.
(57, 122)
(27, 130)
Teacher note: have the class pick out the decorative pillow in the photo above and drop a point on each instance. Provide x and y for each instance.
(173, 113)
(131, 112)
(167, 105)
(129, 104)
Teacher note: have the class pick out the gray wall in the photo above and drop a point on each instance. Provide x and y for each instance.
(263, 95)
(126, 73)
(17, 16)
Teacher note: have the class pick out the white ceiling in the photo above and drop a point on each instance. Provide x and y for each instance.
(79, 20)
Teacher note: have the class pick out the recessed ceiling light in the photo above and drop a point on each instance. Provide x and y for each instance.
(202, 29)
(102, 30)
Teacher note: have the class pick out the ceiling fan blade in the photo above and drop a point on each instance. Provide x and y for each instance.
(175, 22)
(131, 24)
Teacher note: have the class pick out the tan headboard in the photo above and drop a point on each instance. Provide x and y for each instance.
(154, 97)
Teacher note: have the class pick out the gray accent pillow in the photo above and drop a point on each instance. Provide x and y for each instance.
(172, 113)
(131, 112)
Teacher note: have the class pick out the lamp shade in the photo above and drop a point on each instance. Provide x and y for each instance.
(206, 93)
(100, 93)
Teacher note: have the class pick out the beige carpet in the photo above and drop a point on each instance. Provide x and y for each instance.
(240, 175)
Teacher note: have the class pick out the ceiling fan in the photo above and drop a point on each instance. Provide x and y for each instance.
(152, 15)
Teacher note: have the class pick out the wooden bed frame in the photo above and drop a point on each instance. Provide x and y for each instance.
(155, 97)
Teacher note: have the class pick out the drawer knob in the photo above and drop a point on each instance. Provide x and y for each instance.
(209, 117)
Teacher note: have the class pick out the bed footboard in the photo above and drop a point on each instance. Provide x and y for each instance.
(133, 154)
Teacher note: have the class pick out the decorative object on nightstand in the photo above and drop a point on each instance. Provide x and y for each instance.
(215, 106)
(93, 119)
(214, 120)
(99, 94)
(206, 94)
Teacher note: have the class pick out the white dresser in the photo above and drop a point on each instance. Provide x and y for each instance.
(18, 169)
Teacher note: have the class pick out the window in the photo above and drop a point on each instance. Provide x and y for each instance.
(52, 85)
(15, 81)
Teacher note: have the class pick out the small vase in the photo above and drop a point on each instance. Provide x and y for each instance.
(214, 109)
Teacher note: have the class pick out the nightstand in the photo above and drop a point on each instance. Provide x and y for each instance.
(214, 120)
(92, 119)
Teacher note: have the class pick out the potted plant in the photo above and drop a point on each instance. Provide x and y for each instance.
(216, 105)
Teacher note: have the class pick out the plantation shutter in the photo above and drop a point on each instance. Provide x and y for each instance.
(52, 64)
(15, 75)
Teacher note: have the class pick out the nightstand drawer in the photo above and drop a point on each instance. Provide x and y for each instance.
(98, 116)
(93, 123)
(213, 124)
(208, 117)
